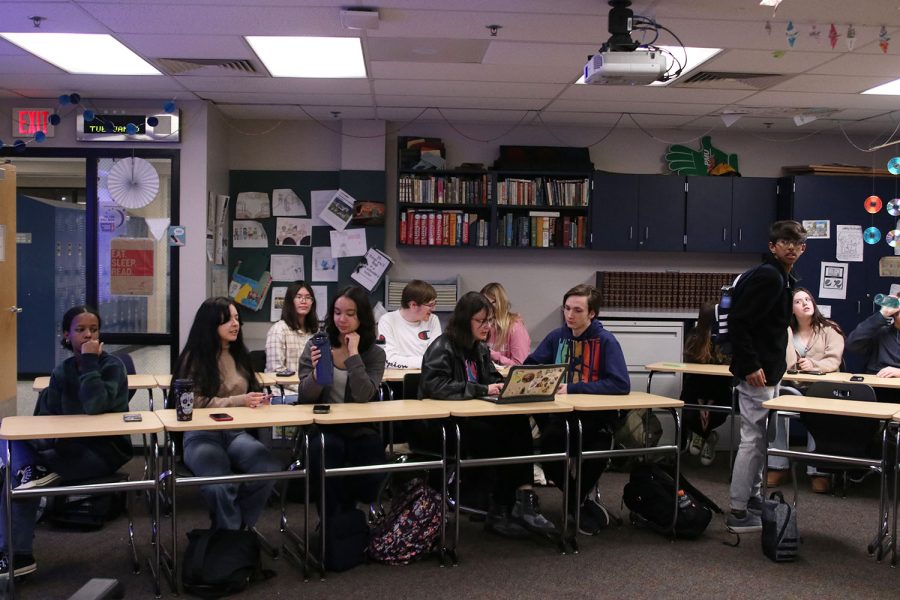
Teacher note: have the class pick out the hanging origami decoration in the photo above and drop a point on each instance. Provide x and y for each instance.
(851, 37)
(884, 40)
(769, 27)
(815, 34)
(791, 33)
(833, 36)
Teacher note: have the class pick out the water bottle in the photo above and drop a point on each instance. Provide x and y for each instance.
(683, 500)
(887, 301)
(324, 368)
(183, 394)
(725, 301)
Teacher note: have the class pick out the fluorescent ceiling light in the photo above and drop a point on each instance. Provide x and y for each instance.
(774, 3)
(327, 57)
(83, 53)
(695, 58)
(891, 88)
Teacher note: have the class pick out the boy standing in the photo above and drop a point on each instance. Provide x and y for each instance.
(761, 308)
(409, 331)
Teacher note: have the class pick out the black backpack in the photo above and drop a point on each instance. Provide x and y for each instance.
(649, 495)
(412, 529)
(723, 307)
(780, 536)
(84, 512)
(219, 562)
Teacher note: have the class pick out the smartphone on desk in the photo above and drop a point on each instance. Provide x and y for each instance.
(321, 409)
(132, 417)
(284, 373)
(221, 417)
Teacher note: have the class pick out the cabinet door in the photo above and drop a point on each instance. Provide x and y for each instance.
(709, 214)
(753, 201)
(615, 212)
(661, 213)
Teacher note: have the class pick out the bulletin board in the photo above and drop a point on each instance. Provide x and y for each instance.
(363, 186)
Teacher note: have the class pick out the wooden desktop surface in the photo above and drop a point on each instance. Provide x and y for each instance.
(722, 370)
(483, 408)
(243, 417)
(692, 368)
(632, 401)
(828, 406)
(135, 382)
(73, 426)
(373, 412)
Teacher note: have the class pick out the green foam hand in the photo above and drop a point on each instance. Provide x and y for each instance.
(686, 161)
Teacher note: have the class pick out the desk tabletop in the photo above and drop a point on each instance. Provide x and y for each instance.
(872, 380)
(483, 408)
(374, 412)
(243, 417)
(73, 426)
(827, 406)
(135, 382)
(634, 400)
(396, 375)
(692, 368)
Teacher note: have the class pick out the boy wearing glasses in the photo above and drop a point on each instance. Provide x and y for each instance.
(409, 331)
(758, 329)
(596, 366)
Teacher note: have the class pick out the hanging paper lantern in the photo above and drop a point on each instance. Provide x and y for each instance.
(872, 204)
(54, 119)
(169, 107)
(152, 121)
(88, 116)
(791, 33)
(39, 136)
(893, 165)
(872, 235)
(884, 40)
(74, 98)
(64, 100)
(851, 37)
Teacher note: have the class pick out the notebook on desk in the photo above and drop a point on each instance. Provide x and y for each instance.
(530, 383)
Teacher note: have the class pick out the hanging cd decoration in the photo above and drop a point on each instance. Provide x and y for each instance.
(893, 207)
(133, 182)
(873, 204)
(894, 165)
(892, 237)
(872, 235)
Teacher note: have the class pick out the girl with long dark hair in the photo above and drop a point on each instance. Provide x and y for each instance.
(287, 338)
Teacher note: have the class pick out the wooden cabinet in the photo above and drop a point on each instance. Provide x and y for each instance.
(638, 212)
(729, 214)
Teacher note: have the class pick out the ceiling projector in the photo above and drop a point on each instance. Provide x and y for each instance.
(625, 68)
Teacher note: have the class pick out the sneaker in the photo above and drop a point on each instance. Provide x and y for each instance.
(776, 477)
(755, 505)
(695, 446)
(527, 513)
(498, 521)
(594, 517)
(820, 484)
(24, 564)
(33, 476)
(708, 453)
(746, 523)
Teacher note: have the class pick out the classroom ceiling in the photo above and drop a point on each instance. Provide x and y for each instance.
(437, 60)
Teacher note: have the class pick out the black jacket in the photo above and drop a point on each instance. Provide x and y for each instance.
(758, 321)
(444, 371)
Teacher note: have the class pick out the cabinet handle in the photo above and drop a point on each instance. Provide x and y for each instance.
(630, 232)
(858, 307)
(646, 233)
(740, 234)
(723, 233)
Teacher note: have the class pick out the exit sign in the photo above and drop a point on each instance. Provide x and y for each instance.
(28, 121)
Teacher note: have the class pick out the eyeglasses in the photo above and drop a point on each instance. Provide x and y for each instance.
(431, 304)
(483, 322)
(303, 298)
(791, 244)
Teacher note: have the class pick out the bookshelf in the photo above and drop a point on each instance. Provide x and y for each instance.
(476, 207)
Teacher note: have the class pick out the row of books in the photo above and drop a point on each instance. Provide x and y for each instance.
(661, 291)
(541, 229)
(543, 192)
(442, 228)
(444, 189)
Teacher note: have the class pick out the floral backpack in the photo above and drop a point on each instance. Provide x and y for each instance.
(411, 529)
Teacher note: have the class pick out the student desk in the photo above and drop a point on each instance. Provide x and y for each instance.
(135, 382)
(378, 412)
(894, 430)
(483, 408)
(23, 428)
(883, 411)
(243, 418)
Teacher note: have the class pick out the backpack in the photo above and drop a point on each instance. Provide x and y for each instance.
(780, 536)
(219, 562)
(83, 512)
(346, 538)
(411, 529)
(632, 431)
(650, 496)
(723, 307)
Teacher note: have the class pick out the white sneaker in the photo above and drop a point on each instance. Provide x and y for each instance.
(695, 446)
(708, 453)
(33, 476)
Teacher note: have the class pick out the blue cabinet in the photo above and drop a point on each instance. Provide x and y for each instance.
(729, 214)
(638, 212)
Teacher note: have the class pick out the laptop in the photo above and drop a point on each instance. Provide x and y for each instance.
(530, 383)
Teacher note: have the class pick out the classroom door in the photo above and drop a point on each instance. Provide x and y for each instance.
(8, 309)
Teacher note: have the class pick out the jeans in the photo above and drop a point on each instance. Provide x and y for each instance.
(781, 443)
(746, 479)
(72, 460)
(227, 452)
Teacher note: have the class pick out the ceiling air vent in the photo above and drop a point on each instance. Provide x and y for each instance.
(731, 80)
(216, 67)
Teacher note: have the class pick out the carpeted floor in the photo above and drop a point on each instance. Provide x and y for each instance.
(623, 562)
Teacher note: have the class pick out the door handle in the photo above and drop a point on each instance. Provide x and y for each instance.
(630, 233)
(14, 309)
(723, 233)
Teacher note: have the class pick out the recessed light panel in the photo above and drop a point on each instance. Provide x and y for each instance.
(324, 57)
(83, 53)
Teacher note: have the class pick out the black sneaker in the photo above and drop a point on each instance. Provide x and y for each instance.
(594, 517)
(24, 565)
(32, 476)
(755, 505)
(527, 513)
(498, 521)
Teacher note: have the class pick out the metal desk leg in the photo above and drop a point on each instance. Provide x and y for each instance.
(445, 552)
(649, 381)
(895, 471)
(456, 513)
(578, 471)
(322, 507)
(676, 415)
(734, 405)
(7, 492)
(154, 533)
(565, 530)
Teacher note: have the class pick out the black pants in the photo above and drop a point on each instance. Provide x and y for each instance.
(344, 450)
(703, 422)
(596, 427)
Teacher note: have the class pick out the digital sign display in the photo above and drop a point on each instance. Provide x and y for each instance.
(115, 124)
(129, 125)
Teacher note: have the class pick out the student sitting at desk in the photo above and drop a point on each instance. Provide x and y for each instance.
(878, 339)
(509, 340)
(409, 331)
(457, 366)
(287, 338)
(90, 382)
(816, 344)
(596, 366)
(217, 361)
(358, 366)
(704, 389)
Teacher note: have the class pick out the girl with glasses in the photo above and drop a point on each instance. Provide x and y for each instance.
(287, 338)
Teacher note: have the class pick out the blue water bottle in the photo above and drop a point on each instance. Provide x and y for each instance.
(324, 368)
(887, 301)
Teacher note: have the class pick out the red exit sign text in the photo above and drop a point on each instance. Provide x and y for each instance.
(28, 121)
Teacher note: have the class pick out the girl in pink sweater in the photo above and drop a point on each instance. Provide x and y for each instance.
(509, 340)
